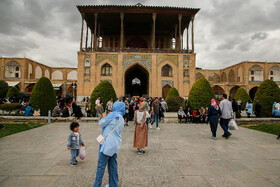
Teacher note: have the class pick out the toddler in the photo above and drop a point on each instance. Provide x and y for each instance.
(74, 143)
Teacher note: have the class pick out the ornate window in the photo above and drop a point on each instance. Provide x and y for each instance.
(256, 73)
(199, 75)
(166, 71)
(274, 73)
(224, 77)
(186, 73)
(106, 70)
(13, 70)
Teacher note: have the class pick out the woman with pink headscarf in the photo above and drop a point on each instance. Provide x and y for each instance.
(213, 117)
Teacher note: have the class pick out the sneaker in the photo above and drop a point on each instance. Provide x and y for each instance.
(73, 164)
(158, 128)
(150, 126)
(142, 151)
(76, 161)
(107, 185)
(139, 152)
(227, 137)
(214, 138)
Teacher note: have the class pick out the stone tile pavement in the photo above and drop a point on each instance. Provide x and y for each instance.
(177, 155)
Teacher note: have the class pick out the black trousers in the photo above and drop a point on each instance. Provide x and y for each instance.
(180, 118)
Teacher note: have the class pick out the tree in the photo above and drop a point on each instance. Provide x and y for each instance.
(12, 91)
(201, 94)
(43, 96)
(173, 92)
(267, 93)
(3, 88)
(243, 96)
(105, 91)
(174, 103)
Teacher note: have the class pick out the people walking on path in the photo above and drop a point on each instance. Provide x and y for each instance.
(100, 111)
(258, 108)
(213, 117)
(97, 104)
(126, 115)
(164, 105)
(155, 113)
(249, 107)
(109, 106)
(227, 114)
(75, 141)
(141, 129)
(234, 106)
(114, 123)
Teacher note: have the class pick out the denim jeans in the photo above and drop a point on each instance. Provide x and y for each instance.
(224, 124)
(112, 170)
(155, 118)
(74, 154)
(96, 115)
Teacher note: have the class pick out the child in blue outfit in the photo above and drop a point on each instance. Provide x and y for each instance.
(74, 142)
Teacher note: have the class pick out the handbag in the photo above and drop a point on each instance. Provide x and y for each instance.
(101, 139)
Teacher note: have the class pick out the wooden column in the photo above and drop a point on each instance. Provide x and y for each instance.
(122, 30)
(86, 38)
(192, 35)
(82, 30)
(180, 32)
(95, 30)
(91, 38)
(175, 36)
(187, 38)
(154, 31)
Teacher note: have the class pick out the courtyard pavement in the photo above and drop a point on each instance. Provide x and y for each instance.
(177, 155)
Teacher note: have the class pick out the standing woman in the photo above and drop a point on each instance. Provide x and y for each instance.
(141, 129)
(249, 106)
(114, 123)
(213, 116)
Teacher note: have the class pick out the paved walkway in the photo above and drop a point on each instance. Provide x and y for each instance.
(178, 155)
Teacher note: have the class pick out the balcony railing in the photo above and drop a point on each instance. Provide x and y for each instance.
(138, 50)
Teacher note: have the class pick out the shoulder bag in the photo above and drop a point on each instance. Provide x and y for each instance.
(101, 139)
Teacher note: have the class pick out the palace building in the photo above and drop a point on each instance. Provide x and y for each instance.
(139, 50)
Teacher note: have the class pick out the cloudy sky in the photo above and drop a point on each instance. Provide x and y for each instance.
(226, 31)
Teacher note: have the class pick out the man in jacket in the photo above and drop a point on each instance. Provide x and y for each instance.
(227, 114)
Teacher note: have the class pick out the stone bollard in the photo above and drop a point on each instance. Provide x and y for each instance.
(49, 117)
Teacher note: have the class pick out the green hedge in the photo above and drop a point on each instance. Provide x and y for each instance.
(43, 96)
(3, 88)
(105, 91)
(174, 103)
(9, 107)
(267, 93)
(13, 91)
(201, 94)
(243, 95)
(173, 92)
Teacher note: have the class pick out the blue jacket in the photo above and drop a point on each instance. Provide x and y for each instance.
(112, 142)
(73, 142)
(250, 108)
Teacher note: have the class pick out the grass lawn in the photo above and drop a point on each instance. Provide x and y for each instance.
(12, 128)
(264, 127)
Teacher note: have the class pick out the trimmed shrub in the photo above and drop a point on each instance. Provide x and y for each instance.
(174, 103)
(13, 91)
(43, 96)
(173, 92)
(9, 107)
(243, 95)
(3, 88)
(105, 91)
(201, 94)
(267, 93)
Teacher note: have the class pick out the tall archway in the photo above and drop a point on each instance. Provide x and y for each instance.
(231, 76)
(198, 75)
(233, 91)
(136, 81)
(218, 91)
(165, 90)
(224, 77)
(253, 92)
(214, 78)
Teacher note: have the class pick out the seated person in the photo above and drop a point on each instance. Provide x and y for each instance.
(56, 112)
(181, 115)
(276, 113)
(196, 116)
(28, 111)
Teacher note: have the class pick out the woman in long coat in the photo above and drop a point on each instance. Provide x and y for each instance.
(141, 129)
(213, 116)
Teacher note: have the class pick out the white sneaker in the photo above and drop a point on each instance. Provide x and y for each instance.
(158, 128)
(107, 185)
(150, 126)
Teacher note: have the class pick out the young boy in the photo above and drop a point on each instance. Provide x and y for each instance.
(74, 142)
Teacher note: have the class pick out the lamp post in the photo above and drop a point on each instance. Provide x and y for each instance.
(74, 85)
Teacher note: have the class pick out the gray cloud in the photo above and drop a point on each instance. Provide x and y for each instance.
(259, 36)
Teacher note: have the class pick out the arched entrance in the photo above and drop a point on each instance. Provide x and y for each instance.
(29, 88)
(233, 91)
(218, 91)
(253, 92)
(136, 81)
(165, 90)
